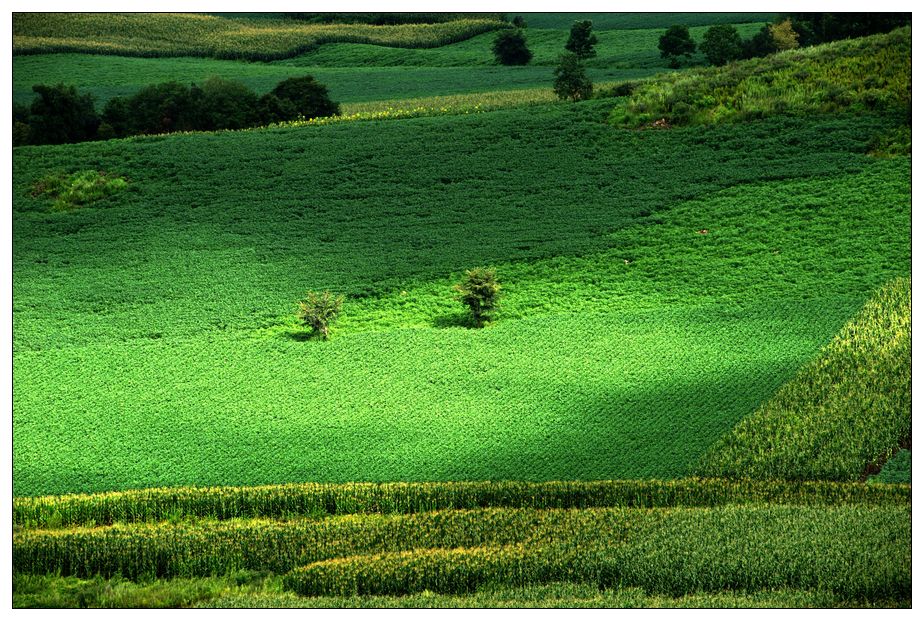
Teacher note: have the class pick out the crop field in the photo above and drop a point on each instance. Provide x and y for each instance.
(695, 391)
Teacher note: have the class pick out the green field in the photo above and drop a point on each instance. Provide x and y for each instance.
(727, 297)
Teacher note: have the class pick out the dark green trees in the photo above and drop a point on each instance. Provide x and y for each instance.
(676, 42)
(571, 81)
(308, 97)
(581, 41)
(721, 44)
(510, 48)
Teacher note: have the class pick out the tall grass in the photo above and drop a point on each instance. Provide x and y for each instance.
(280, 501)
(848, 409)
(167, 34)
(868, 73)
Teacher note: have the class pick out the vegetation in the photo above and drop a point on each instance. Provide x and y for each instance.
(571, 81)
(581, 41)
(170, 34)
(510, 48)
(480, 292)
(784, 37)
(848, 409)
(896, 470)
(318, 310)
(676, 42)
(322, 499)
(77, 189)
(59, 114)
(869, 74)
(721, 45)
(308, 98)
(137, 332)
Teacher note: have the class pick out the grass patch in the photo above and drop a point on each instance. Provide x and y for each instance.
(896, 470)
(848, 409)
(69, 191)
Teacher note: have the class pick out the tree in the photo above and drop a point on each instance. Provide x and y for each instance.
(480, 292)
(271, 109)
(226, 104)
(60, 115)
(784, 37)
(571, 81)
(157, 109)
(308, 96)
(676, 42)
(519, 22)
(318, 311)
(510, 48)
(582, 40)
(761, 44)
(721, 44)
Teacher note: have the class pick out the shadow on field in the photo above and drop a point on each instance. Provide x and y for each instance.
(454, 320)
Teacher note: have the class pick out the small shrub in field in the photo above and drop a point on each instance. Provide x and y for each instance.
(571, 81)
(80, 188)
(784, 37)
(510, 48)
(480, 292)
(318, 311)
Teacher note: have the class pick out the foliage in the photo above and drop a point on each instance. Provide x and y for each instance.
(896, 470)
(78, 189)
(761, 44)
(653, 331)
(672, 551)
(172, 34)
(480, 292)
(320, 499)
(627, 22)
(581, 40)
(721, 45)
(872, 73)
(783, 35)
(841, 413)
(308, 97)
(383, 19)
(226, 104)
(60, 114)
(318, 310)
(518, 22)
(676, 42)
(571, 81)
(815, 28)
(509, 48)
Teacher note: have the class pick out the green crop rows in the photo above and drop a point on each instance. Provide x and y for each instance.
(728, 297)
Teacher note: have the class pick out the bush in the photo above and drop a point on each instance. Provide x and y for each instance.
(571, 81)
(480, 292)
(158, 109)
(676, 42)
(721, 44)
(318, 311)
(510, 48)
(80, 188)
(271, 109)
(761, 44)
(784, 36)
(519, 22)
(581, 41)
(308, 96)
(226, 104)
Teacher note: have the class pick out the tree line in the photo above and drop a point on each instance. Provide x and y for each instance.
(61, 114)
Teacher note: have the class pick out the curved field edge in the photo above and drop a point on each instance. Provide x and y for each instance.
(672, 551)
(318, 499)
(162, 34)
(846, 411)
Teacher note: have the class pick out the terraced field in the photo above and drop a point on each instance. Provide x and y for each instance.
(725, 298)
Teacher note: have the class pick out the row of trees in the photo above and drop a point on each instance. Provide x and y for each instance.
(60, 114)
(722, 44)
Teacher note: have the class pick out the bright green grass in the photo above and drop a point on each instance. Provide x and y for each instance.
(850, 408)
(635, 21)
(105, 77)
(616, 49)
(896, 470)
(178, 363)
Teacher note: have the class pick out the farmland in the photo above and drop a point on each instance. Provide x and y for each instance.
(695, 391)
